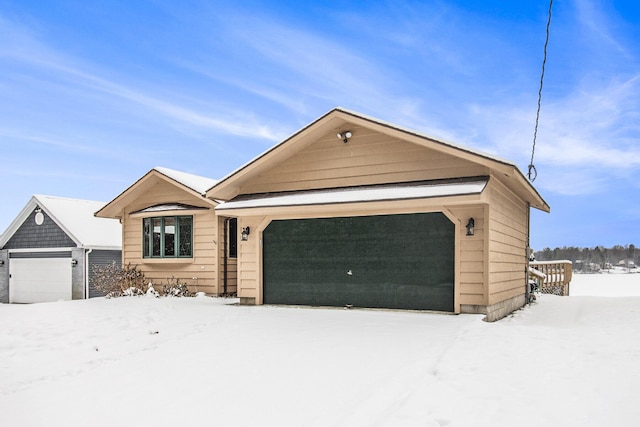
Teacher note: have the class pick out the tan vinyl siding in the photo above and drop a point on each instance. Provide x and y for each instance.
(200, 273)
(472, 286)
(249, 262)
(232, 277)
(368, 158)
(507, 244)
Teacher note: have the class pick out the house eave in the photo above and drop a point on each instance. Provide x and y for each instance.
(446, 191)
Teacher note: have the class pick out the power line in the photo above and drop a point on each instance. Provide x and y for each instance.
(533, 173)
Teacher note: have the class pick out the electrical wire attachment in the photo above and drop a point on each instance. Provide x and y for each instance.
(533, 173)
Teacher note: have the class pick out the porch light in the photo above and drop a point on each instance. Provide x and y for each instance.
(245, 233)
(345, 135)
(470, 226)
(1, 262)
(74, 262)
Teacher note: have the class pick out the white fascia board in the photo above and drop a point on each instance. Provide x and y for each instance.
(35, 250)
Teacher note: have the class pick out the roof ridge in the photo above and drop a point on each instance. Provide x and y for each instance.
(38, 196)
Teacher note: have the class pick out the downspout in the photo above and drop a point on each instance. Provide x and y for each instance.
(86, 273)
(527, 257)
(225, 256)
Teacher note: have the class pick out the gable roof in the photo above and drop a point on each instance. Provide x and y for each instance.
(196, 185)
(196, 182)
(229, 187)
(75, 217)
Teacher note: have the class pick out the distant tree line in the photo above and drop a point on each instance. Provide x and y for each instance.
(599, 255)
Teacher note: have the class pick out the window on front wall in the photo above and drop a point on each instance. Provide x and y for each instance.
(167, 237)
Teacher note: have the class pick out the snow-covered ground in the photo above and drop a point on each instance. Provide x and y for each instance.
(564, 361)
(605, 284)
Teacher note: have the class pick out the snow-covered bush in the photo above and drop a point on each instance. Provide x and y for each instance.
(176, 288)
(132, 292)
(115, 281)
(151, 292)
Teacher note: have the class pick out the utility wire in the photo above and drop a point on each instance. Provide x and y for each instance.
(533, 173)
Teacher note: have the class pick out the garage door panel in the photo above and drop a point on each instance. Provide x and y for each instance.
(394, 296)
(395, 261)
(39, 280)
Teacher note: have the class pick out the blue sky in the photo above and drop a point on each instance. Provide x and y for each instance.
(94, 94)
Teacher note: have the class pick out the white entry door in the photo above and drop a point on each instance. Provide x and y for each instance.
(39, 279)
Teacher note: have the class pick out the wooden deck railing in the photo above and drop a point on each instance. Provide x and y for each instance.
(557, 276)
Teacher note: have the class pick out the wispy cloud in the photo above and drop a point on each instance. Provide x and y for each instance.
(597, 126)
(10, 171)
(311, 57)
(22, 46)
(584, 138)
(239, 126)
(273, 93)
(301, 69)
(598, 27)
(29, 137)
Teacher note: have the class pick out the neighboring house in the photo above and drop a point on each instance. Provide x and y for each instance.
(49, 250)
(628, 263)
(378, 217)
(171, 231)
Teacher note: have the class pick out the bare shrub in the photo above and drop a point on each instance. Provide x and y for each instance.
(115, 281)
(105, 277)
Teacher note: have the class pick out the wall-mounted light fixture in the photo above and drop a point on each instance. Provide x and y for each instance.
(345, 135)
(1, 262)
(245, 233)
(74, 262)
(471, 224)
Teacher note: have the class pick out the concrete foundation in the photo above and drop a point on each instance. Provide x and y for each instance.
(247, 301)
(496, 311)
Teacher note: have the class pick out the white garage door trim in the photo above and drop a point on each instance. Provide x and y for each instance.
(39, 280)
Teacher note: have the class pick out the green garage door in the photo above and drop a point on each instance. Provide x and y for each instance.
(387, 261)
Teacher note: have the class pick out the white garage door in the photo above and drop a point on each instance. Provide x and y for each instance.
(39, 280)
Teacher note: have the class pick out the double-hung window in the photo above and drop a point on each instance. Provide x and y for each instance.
(167, 237)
